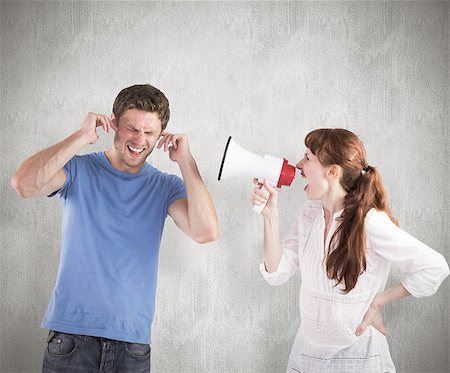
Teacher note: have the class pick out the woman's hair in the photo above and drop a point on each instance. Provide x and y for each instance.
(365, 190)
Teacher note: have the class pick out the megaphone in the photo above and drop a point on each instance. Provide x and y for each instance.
(237, 161)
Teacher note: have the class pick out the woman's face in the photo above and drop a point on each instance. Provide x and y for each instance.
(316, 175)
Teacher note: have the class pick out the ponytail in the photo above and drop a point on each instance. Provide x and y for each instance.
(347, 261)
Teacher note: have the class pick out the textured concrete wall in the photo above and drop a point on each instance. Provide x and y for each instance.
(266, 73)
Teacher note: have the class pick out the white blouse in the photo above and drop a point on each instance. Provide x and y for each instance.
(326, 340)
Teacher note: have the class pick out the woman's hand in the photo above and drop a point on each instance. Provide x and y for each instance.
(373, 317)
(269, 196)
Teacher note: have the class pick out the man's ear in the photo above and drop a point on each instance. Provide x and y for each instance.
(114, 122)
(335, 171)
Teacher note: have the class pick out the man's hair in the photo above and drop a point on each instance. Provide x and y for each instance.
(142, 97)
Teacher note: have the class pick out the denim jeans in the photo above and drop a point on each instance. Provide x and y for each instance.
(70, 353)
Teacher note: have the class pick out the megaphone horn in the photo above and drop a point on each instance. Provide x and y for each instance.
(237, 161)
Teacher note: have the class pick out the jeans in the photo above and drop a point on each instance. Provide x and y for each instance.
(70, 353)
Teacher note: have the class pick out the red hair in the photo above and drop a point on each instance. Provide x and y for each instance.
(365, 190)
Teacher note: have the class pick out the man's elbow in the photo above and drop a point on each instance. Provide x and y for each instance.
(210, 235)
(17, 184)
(22, 189)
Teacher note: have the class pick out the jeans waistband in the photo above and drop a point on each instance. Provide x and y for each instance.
(85, 338)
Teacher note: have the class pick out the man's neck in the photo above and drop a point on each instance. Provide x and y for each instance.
(115, 162)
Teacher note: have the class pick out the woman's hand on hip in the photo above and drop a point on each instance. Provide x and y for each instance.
(373, 317)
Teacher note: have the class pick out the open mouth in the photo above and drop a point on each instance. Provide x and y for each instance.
(135, 152)
(304, 180)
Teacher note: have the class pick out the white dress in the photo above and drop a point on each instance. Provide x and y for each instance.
(326, 340)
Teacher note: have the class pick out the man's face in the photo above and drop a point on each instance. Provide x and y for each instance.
(136, 136)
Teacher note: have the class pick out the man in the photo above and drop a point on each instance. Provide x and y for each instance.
(114, 207)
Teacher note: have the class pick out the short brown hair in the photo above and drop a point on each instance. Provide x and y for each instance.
(142, 97)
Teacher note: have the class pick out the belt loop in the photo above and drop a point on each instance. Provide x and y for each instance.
(51, 334)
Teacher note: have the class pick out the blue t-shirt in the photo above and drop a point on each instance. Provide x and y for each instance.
(111, 232)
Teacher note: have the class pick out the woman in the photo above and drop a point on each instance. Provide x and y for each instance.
(343, 240)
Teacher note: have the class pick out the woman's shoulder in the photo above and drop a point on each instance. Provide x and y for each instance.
(377, 221)
(374, 216)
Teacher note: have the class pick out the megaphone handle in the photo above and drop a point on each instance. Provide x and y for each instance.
(259, 208)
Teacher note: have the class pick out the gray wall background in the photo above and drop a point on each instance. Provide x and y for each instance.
(266, 73)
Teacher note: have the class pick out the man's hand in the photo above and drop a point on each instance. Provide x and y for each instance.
(373, 317)
(177, 145)
(90, 124)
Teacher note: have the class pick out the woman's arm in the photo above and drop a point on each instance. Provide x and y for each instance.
(423, 268)
(281, 261)
(272, 247)
(374, 315)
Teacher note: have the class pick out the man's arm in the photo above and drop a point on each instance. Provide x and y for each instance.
(195, 215)
(42, 173)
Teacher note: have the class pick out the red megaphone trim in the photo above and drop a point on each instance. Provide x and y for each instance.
(287, 174)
